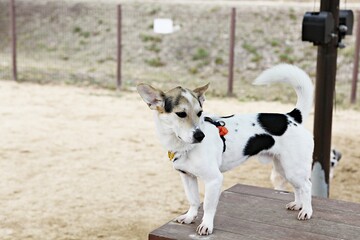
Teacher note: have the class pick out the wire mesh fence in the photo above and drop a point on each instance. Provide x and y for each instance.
(75, 42)
(59, 42)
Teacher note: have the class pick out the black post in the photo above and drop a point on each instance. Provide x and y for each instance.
(356, 62)
(324, 93)
(13, 38)
(118, 67)
(231, 52)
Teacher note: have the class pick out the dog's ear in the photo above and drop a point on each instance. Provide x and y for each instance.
(152, 96)
(200, 92)
(339, 155)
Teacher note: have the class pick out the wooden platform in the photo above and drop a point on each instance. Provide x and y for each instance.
(246, 212)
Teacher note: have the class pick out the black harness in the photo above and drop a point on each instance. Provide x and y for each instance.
(217, 124)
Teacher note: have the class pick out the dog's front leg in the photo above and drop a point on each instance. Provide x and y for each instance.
(212, 195)
(192, 193)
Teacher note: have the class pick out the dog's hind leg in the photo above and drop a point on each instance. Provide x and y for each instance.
(192, 193)
(298, 175)
(305, 198)
(277, 180)
(302, 202)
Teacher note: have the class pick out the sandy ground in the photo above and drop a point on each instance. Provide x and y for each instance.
(83, 163)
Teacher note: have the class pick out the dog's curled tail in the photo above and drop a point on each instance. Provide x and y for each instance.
(298, 79)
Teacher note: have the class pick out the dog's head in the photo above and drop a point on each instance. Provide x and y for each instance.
(335, 157)
(179, 110)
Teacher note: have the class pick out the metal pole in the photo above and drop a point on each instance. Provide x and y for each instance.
(231, 52)
(356, 61)
(118, 71)
(13, 38)
(324, 93)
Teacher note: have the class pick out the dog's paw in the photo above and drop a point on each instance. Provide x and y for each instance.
(305, 214)
(293, 206)
(185, 219)
(205, 229)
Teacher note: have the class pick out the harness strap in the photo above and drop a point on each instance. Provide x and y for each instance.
(222, 129)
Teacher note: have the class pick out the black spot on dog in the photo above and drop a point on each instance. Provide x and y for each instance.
(274, 123)
(181, 171)
(296, 115)
(258, 143)
(177, 100)
(230, 116)
(168, 104)
(196, 97)
(253, 124)
(199, 102)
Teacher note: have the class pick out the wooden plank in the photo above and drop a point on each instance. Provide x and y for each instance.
(249, 201)
(188, 232)
(273, 212)
(260, 230)
(227, 227)
(270, 193)
(246, 212)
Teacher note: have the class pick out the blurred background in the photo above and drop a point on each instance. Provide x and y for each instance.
(80, 160)
(75, 42)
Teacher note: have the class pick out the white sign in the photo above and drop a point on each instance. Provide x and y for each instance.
(163, 26)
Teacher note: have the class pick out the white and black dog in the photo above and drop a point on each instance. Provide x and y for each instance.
(199, 150)
(335, 157)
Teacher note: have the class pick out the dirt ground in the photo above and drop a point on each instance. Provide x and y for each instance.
(84, 163)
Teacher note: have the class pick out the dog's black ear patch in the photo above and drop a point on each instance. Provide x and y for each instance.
(296, 115)
(168, 104)
(258, 143)
(274, 123)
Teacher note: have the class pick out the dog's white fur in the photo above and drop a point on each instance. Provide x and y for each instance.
(291, 151)
(279, 182)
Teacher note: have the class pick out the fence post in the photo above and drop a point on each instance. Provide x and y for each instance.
(231, 52)
(13, 38)
(324, 97)
(118, 71)
(356, 61)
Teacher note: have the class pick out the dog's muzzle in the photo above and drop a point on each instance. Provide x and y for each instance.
(198, 136)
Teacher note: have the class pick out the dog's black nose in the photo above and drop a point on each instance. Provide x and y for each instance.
(199, 135)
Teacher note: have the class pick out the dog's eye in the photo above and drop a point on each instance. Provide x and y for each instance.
(199, 113)
(181, 114)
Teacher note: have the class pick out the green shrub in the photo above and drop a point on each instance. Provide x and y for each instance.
(77, 29)
(193, 70)
(286, 58)
(155, 62)
(150, 38)
(153, 48)
(275, 43)
(219, 61)
(200, 54)
(249, 48)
